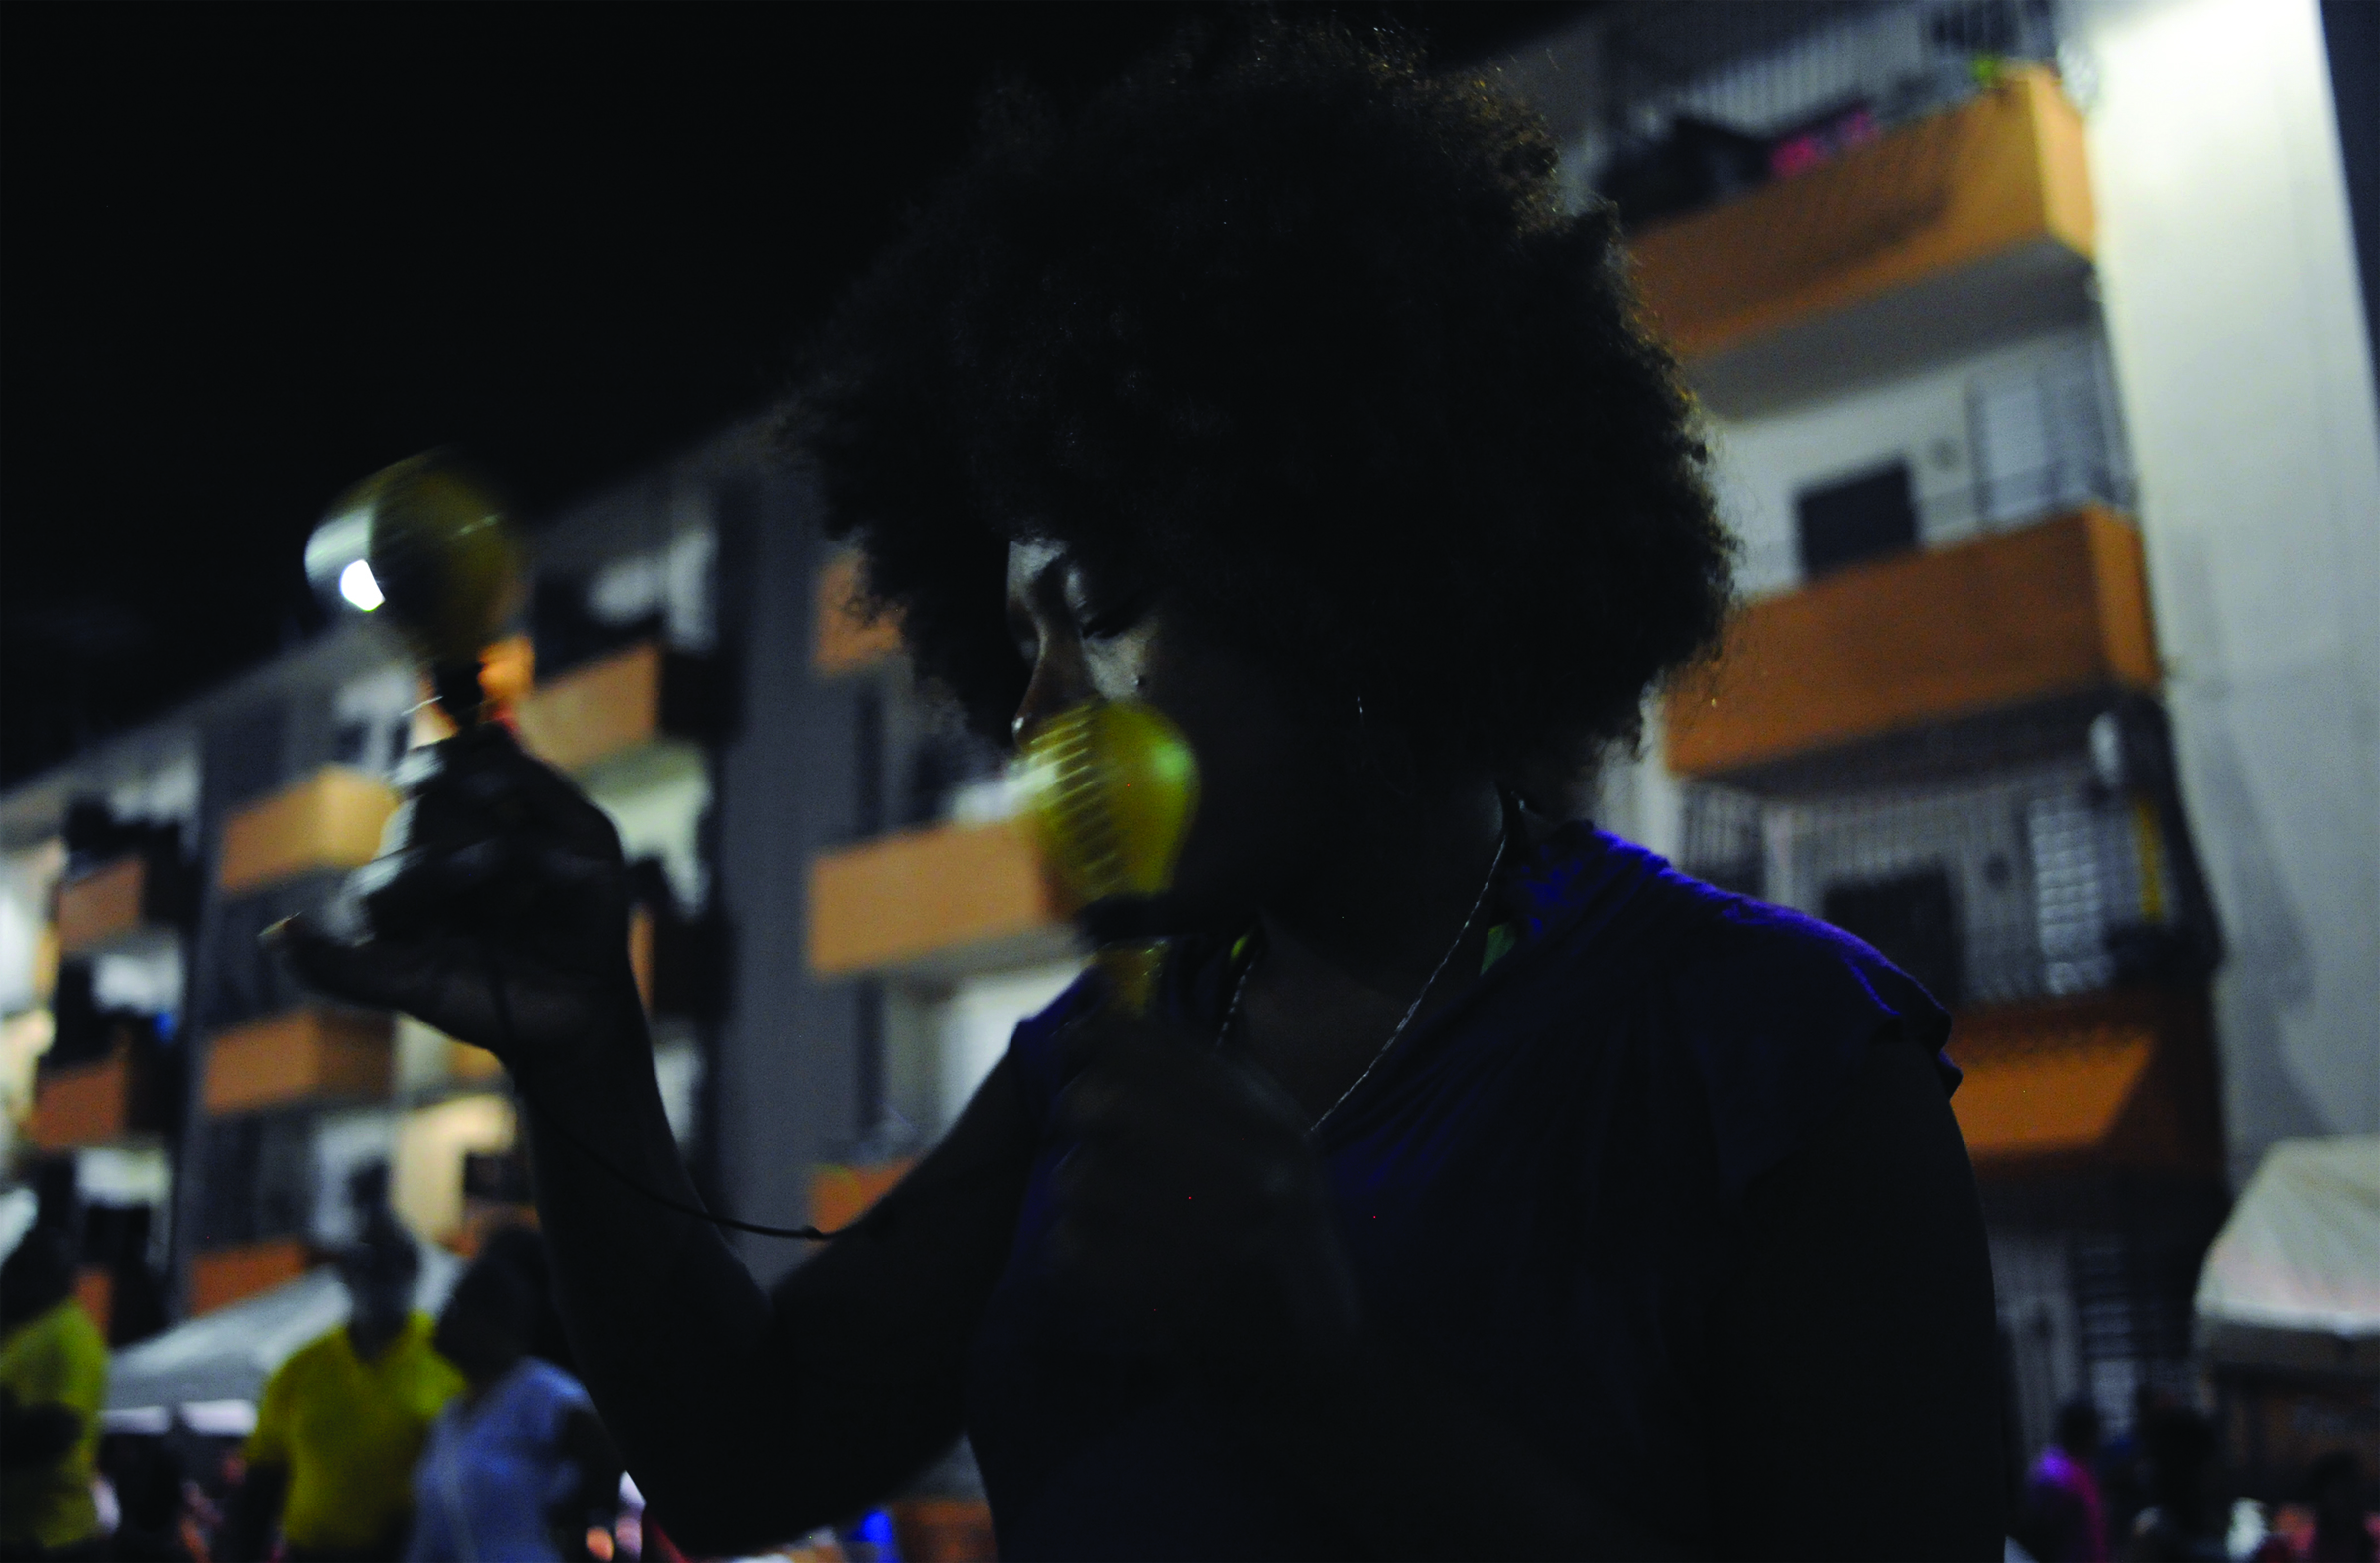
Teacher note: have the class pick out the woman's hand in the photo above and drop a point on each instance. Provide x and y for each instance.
(1193, 1203)
(497, 911)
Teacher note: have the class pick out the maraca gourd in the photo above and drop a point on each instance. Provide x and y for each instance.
(1113, 788)
(446, 563)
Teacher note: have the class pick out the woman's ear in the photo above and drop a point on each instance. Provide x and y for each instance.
(1556, 790)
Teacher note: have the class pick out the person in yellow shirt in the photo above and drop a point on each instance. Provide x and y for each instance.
(52, 1381)
(343, 1420)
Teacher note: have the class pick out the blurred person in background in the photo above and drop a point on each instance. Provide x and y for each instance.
(2124, 1473)
(1479, 1185)
(517, 1470)
(152, 1496)
(343, 1420)
(2187, 1517)
(524, 1249)
(2062, 1519)
(52, 1383)
(2335, 1489)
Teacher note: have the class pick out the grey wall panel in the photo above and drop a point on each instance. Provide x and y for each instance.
(784, 1089)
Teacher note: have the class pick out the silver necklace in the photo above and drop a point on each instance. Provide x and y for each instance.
(1230, 1013)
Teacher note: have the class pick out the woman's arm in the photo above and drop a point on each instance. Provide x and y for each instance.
(747, 1418)
(501, 919)
(1857, 1407)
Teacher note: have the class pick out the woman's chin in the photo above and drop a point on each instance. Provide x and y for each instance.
(1170, 915)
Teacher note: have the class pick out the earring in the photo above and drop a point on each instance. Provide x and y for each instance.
(1139, 683)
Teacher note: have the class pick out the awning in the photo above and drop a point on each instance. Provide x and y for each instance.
(2294, 1280)
(223, 1358)
(2118, 1080)
(2061, 1098)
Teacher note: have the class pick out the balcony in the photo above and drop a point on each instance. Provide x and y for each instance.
(2002, 623)
(98, 1103)
(130, 904)
(220, 1277)
(311, 1054)
(943, 902)
(1969, 226)
(2122, 1080)
(96, 1294)
(329, 820)
(617, 706)
(841, 1195)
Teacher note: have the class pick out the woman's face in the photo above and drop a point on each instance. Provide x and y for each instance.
(1265, 807)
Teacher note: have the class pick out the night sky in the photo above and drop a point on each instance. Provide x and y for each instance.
(249, 255)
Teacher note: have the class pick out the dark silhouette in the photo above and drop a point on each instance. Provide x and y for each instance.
(2334, 1487)
(1477, 1184)
(2186, 1519)
(518, 1466)
(2061, 1518)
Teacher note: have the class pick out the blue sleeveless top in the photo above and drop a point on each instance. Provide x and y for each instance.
(1540, 1181)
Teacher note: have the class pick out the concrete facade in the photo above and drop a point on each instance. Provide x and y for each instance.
(2235, 320)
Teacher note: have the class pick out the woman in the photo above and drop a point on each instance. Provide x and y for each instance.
(1481, 1186)
(516, 1468)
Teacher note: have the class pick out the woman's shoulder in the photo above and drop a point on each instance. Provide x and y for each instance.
(1034, 1051)
(1743, 941)
(1731, 956)
(1773, 1010)
(1765, 969)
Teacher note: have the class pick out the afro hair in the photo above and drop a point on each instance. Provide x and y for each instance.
(1302, 330)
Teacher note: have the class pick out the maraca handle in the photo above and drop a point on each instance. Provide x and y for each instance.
(459, 691)
(1130, 971)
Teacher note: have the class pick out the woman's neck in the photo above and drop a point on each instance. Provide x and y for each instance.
(1381, 910)
(1360, 953)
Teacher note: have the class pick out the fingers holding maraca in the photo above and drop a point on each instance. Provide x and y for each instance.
(497, 911)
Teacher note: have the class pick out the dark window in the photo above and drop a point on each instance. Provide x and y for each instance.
(259, 1180)
(242, 757)
(1911, 918)
(351, 743)
(1854, 518)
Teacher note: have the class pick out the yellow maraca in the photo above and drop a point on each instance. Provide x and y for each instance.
(445, 562)
(1113, 787)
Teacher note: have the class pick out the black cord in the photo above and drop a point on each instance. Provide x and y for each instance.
(504, 1031)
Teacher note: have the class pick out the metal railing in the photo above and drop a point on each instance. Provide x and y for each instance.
(2033, 879)
(1747, 91)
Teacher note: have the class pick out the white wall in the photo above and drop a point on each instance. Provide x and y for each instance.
(425, 1162)
(978, 1020)
(656, 800)
(2234, 319)
(941, 1039)
(1994, 439)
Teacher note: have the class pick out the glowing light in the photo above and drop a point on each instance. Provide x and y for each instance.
(358, 587)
